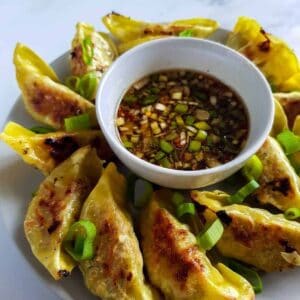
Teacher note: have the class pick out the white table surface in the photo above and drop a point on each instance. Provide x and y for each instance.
(48, 27)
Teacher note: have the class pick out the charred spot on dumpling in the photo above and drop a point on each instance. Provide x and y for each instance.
(63, 273)
(286, 247)
(61, 148)
(102, 148)
(281, 185)
(224, 217)
(265, 46)
(292, 109)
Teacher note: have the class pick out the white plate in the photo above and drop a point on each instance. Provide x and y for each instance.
(19, 180)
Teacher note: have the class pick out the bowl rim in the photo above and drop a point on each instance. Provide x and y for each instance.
(239, 159)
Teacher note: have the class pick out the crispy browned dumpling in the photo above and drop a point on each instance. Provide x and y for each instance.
(116, 271)
(279, 184)
(177, 266)
(57, 205)
(45, 99)
(252, 235)
(46, 151)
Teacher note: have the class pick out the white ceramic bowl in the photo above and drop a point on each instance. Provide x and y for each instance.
(195, 54)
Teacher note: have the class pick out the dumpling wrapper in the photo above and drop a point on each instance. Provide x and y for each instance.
(56, 206)
(176, 265)
(280, 121)
(116, 271)
(279, 183)
(46, 151)
(45, 99)
(251, 235)
(104, 50)
(274, 58)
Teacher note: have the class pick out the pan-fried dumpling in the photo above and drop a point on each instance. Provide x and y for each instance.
(252, 235)
(135, 32)
(274, 58)
(57, 205)
(177, 266)
(279, 184)
(104, 51)
(116, 271)
(45, 99)
(291, 105)
(46, 151)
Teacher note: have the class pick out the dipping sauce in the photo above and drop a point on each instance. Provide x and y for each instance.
(182, 119)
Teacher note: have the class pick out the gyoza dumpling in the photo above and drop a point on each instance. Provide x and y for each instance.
(101, 46)
(252, 235)
(175, 263)
(279, 184)
(116, 271)
(57, 205)
(46, 151)
(45, 99)
(280, 121)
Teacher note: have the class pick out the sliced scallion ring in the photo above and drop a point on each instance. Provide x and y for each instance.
(244, 192)
(186, 33)
(80, 122)
(42, 129)
(210, 235)
(72, 82)
(289, 141)
(292, 213)
(79, 240)
(177, 199)
(185, 209)
(88, 85)
(253, 168)
(87, 50)
(251, 275)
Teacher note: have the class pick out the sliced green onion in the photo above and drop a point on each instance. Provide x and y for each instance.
(251, 275)
(142, 192)
(289, 141)
(244, 192)
(189, 120)
(253, 168)
(170, 137)
(179, 120)
(181, 108)
(149, 100)
(210, 235)
(42, 129)
(186, 33)
(194, 146)
(185, 209)
(159, 155)
(201, 135)
(177, 199)
(87, 50)
(202, 125)
(80, 122)
(128, 144)
(165, 162)
(87, 85)
(292, 213)
(79, 240)
(72, 82)
(166, 146)
(130, 99)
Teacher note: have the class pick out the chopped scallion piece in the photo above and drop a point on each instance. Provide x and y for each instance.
(170, 137)
(79, 240)
(42, 129)
(72, 82)
(210, 235)
(244, 192)
(202, 125)
(159, 155)
(149, 100)
(130, 99)
(166, 146)
(142, 192)
(185, 209)
(289, 141)
(186, 33)
(177, 199)
(194, 146)
(292, 213)
(87, 50)
(253, 168)
(127, 144)
(88, 85)
(181, 108)
(179, 120)
(201, 135)
(80, 122)
(251, 275)
(189, 120)
(165, 162)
